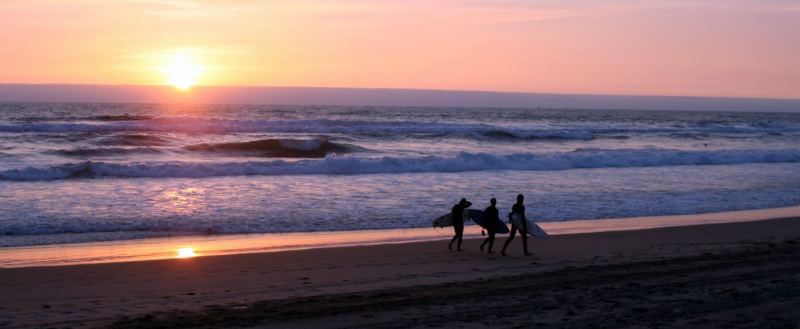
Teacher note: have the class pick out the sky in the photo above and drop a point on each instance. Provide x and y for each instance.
(731, 48)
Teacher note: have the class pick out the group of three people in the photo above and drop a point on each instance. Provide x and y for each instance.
(491, 218)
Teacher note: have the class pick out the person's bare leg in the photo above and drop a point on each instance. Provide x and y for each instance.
(508, 241)
(525, 245)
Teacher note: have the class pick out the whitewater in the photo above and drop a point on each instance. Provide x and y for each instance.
(90, 172)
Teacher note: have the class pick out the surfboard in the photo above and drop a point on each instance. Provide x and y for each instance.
(469, 214)
(477, 216)
(446, 220)
(534, 230)
(443, 220)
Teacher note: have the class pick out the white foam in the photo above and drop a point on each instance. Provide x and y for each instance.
(351, 165)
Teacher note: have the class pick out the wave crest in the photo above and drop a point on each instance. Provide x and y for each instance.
(276, 148)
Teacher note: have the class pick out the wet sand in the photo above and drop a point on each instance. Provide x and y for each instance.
(721, 275)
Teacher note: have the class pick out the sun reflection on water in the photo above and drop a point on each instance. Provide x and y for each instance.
(183, 201)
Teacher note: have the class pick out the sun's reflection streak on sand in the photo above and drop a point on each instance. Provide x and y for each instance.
(185, 252)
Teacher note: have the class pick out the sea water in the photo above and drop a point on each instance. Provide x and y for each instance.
(95, 172)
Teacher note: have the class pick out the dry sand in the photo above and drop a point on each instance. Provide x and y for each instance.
(723, 275)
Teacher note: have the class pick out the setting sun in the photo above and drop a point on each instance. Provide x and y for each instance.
(182, 71)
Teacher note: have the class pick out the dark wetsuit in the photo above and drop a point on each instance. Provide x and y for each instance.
(492, 218)
(518, 209)
(458, 217)
(457, 214)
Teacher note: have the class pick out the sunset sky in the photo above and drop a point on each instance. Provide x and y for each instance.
(734, 48)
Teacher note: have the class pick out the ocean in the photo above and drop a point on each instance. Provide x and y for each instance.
(100, 172)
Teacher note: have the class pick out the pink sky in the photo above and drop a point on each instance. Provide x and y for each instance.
(733, 48)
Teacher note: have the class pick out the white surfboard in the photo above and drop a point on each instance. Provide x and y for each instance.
(533, 229)
(447, 220)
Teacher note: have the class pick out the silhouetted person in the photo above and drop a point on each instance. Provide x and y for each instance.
(518, 208)
(492, 218)
(458, 222)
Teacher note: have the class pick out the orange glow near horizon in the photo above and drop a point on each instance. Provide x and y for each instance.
(737, 48)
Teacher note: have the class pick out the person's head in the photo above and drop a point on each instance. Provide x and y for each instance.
(463, 201)
(493, 201)
(520, 198)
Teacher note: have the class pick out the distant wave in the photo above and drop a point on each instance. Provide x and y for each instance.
(577, 134)
(201, 125)
(349, 165)
(121, 117)
(103, 151)
(277, 148)
(392, 128)
(131, 140)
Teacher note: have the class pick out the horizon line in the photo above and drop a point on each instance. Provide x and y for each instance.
(169, 87)
(353, 96)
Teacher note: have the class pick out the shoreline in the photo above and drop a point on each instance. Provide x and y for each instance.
(301, 287)
(146, 249)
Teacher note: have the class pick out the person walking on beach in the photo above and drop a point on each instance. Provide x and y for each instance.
(492, 217)
(519, 209)
(457, 214)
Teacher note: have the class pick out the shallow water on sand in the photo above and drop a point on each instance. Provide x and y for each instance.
(216, 245)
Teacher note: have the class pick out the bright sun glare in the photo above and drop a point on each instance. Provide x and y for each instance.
(186, 252)
(182, 71)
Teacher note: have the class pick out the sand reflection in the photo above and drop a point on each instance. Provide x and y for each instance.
(186, 252)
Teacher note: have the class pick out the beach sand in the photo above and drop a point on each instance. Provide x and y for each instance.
(720, 275)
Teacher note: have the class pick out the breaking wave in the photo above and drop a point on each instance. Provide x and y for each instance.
(350, 165)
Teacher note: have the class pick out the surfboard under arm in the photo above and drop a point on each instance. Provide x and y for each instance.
(533, 229)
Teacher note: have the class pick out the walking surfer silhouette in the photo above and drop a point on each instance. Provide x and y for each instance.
(519, 209)
(491, 216)
(457, 215)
